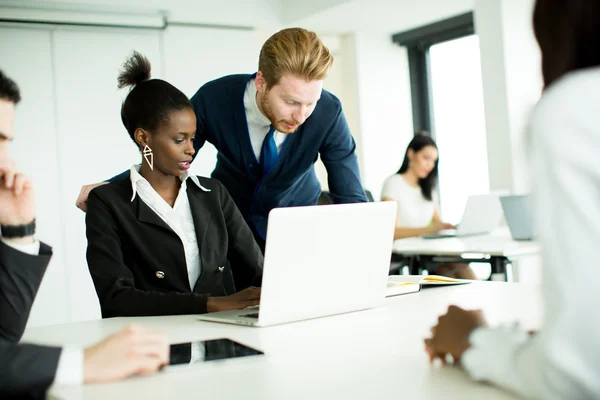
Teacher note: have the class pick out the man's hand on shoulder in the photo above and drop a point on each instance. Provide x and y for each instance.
(81, 202)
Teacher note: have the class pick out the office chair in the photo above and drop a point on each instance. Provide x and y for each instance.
(326, 198)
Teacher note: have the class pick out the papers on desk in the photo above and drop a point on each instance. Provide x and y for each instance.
(398, 288)
(427, 280)
(404, 284)
(407, 283)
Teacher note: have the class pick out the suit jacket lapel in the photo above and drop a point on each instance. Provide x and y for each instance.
(200, 215)
(145, 214)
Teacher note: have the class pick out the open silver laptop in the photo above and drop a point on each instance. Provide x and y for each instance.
(482, 215)
(320, 261)
(518, 217)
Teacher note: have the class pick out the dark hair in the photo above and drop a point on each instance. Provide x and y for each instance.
(420, 141)
(150, 101)
(9, 89)
(568, 33)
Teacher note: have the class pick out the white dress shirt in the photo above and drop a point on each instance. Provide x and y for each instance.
(179, 217)
(258, 124)
(31, 248)
(70, 362)
(562, 361)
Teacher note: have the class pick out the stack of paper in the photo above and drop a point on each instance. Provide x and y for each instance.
(403, 284)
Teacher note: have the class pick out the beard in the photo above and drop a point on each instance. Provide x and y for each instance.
(278, 124)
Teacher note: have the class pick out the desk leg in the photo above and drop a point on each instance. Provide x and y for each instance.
(499, 267)
(417, 265)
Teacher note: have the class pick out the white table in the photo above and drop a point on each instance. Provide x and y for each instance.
(369, 354)
(497, 248)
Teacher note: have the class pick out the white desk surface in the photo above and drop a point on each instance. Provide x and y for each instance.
(375, 354)
(498, 243)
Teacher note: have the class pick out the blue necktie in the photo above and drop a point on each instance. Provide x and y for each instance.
(268, 154)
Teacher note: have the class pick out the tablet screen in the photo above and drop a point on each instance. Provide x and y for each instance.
(208, 350)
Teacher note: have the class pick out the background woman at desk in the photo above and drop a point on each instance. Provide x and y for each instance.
(160, 240)
(412, 188)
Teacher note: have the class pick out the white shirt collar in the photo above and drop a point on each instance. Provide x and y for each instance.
(253, 114)
(136, 177)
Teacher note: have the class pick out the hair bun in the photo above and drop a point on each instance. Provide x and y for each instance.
(136, 69)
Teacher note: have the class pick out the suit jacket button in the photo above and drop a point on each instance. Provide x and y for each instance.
(160, 274)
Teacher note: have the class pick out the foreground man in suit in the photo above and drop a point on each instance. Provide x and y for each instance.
(28, 370)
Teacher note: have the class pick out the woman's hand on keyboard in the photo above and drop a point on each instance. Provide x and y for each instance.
(245, 298)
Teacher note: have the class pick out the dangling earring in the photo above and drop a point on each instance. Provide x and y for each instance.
(149, 156)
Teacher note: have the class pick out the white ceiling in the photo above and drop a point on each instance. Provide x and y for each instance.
(293, 10)
(214, 12)
(389, 16)
(323, 16)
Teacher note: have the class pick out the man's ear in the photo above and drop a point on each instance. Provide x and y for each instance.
(260, 82)
(141, 137)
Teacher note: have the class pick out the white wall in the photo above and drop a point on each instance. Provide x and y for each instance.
(350, 94)
(194, 56)
(370, 76)
(26, 55)
(69, 130)
(93, 144)
(342, 82)
(512, 84)
(384, 101)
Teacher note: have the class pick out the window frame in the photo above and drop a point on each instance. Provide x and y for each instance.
(418, 41)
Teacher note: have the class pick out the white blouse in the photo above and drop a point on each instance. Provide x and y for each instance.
(414, 210)
(179, 217)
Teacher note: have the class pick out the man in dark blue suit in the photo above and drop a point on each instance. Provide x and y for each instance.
(27, 370)
(269, 128)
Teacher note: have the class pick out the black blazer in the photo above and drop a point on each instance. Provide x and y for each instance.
(137, 261)
(25, 370)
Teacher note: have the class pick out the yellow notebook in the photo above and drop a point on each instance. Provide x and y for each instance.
(426, 280)
(398, 288)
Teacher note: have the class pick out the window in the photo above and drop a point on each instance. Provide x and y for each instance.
(458, 118)
(447, 99)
